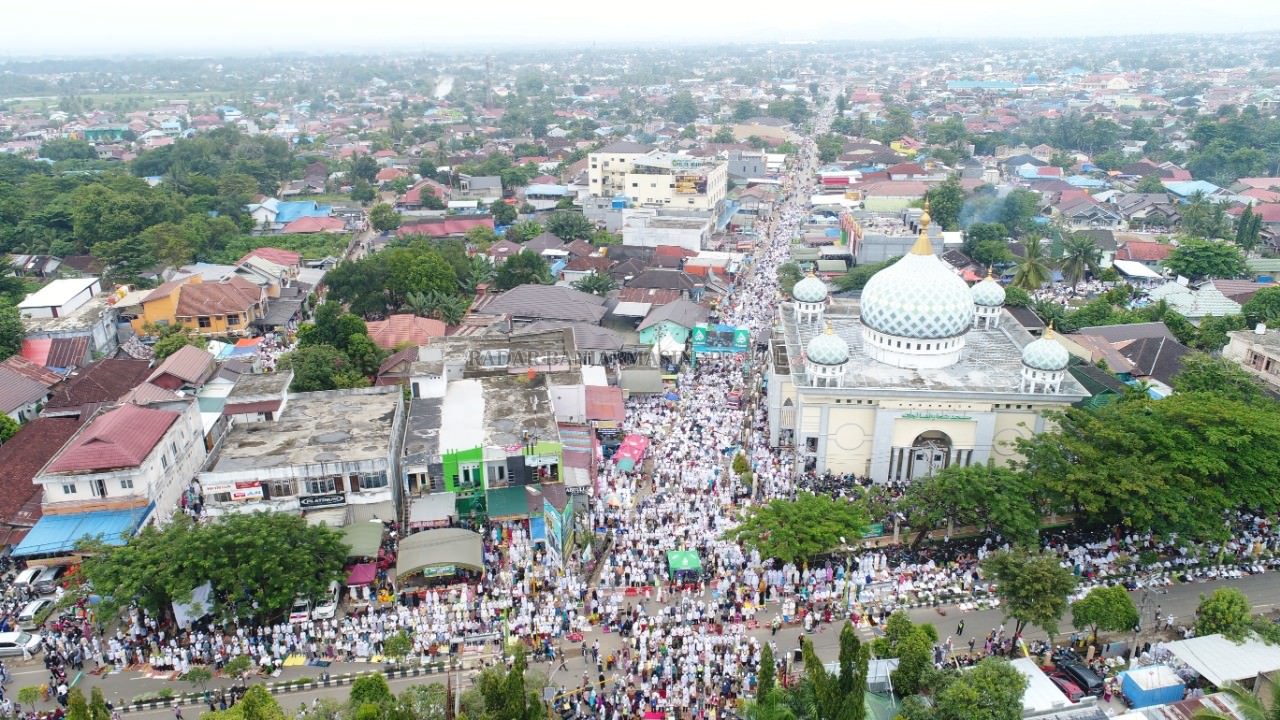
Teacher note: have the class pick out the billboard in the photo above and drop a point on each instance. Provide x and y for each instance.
(720, 338)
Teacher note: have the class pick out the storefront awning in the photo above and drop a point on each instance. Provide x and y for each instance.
(362, 574)
(363, 538)
(684, 560)
(441, 547)
(510, 503)
(56, 534)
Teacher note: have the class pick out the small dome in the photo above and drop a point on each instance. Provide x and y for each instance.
(988, 292)
(810, 290)
(827, 349)
(1046, 353)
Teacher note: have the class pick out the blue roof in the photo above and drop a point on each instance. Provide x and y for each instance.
(546, 190)
(1086, 181)
(287, 212)
(980, 85)
(1187, 188)
(54, 534)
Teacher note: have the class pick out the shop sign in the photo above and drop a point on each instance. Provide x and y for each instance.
(247, 491)
(310, 502)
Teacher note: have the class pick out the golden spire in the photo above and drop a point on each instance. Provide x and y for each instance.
(829, 330)
(989, 273)
(923, 246)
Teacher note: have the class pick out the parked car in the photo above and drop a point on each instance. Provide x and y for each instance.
(301, 610)
(28, 576)
(12, 643)
(1068, 688)
(47, 580)
(1084, 678)
(27, 616)
(329, 607)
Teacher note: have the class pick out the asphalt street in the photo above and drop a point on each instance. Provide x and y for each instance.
(1178, 600)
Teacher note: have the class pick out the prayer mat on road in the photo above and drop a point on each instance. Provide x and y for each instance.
(295, 660)
(318, 663)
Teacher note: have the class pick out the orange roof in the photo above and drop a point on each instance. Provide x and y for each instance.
(405, 328)
(275, 255)
(233, 295)
(310, 224)
(37, 351)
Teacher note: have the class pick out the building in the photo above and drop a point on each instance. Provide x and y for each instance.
(60, 298)
(671, 322)
(331, 455)
(666, 180)
(226, 307)
(21, 458)
(102, 383)
(93, 320)
(651, 227)
(259, 397)
(129, 465)
(913, 377)
(404, 329)
(747, 164)
(1257, 351)
(526, 304)
(607, 168)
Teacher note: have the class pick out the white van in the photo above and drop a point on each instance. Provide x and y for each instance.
(301, 610)
(27, 618)
(28, 577)
(327, 609)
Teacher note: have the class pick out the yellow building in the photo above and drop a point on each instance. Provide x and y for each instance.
(920, 373)
(226, 307)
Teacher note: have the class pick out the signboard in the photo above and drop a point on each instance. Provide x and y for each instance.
(540, 460)
(916, 415)
(438, 571)
(310, 502)
(685, 163)
(720, 338)
(251, 490)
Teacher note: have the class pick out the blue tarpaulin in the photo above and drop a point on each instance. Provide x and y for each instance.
(55, 534)
(538, 529)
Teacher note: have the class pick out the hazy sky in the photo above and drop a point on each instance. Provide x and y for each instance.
(83, 27)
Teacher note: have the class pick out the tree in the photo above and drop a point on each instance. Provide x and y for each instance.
(398, 646)
(830, 147)
(238, 666)
(8, 428)
(257, 563)
(1080, 255)
(945, 202)
(991, 690)
(994, 498)
(364, 167)
(1226, 611)
(170, 343)
(362, 192)
(788, 275)
(1264, 307)
(371, 689)
(1201, 372)
(799, 529)
(524, 231)
(857, 277)
(1106, 608)
(1246, 706)
(1032, 587)
(384, 218)
(596, 283)
(98, 709)
(987, 243)
(504, 695)
(682, 108)
(1248, 230)
(915, 656)
(12, 331)
(426, 702)
(331, 326)
(322, 367)
(1033, 267)
(1019, 207)
(503, 214)
(29, 695)
(723, 135)
(198, 676)
(257, 704)
(569, 225)
(1150, 184)
(1197, 259)
(523, 268)
(77, 708)
(1016, 297)
(840, 696)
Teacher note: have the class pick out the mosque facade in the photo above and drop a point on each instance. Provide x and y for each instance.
(920, 373)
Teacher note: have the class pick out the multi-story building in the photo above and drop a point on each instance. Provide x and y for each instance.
(1257, 351)
(655, 178)
(607, 168)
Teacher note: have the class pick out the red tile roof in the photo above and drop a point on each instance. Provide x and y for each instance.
(115, 439)
(189, 364)
(21, 458)
(233, 295)
(287, 258)
(25, 367)
(309, 224)
(104, 381)
(261, 406)
(401, 329)
(446, 227)
(654, 296)
(672, 251)
(1144, 251)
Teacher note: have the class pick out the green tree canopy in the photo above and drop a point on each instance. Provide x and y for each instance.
(857, 277)
(384, 218)
(993, 498)
(796, 530)
(1080, 256)
(1019, 208)
(945, 202)
(1032, 587)
(1034, 268)
(524, 231)
(1107, 608)
(322, 367)
(503, 214)
(1197, 259)
(1264, 307)
(597, 283)
(523, 268)
(569, 225)
(257, 563)
(1226, 611)
(67, 149)
(172, 342)
(1205, 373)
(991, 690)
(12, 331)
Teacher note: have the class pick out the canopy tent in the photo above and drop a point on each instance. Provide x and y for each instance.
(362, 574)
(687, 560)
(630, 452)
(440, 547)
(509, 503)
(363, 538)
(186, 613)
(58, 534)
(1222, 661)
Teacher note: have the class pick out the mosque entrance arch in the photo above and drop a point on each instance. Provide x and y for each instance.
(930, 452)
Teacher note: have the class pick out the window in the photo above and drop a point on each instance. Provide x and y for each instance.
(126, 484)
(233, 319)
(497, 473)
(278, 488)
(320, 486)
(471, 476)
(203, 321)
(68, 488)
(371, 482)
(164, 460)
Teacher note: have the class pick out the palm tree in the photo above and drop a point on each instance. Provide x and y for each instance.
(1247, 705)
(451, 309)
(1080, 255)
(480, 271)
(1033, 267)
(418, 303)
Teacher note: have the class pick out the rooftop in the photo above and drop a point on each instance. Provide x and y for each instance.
(335, 426)
(991, 362)
(422, 430)
(57, 293)
(259, 384)
(20, 461)
(119, 438)
(514, 404)
(105, 381)
(82, 318)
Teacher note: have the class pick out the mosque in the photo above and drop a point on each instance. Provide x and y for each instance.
(920, 373)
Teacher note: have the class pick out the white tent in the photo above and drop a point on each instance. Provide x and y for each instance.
(1221, 661)
(185, 613)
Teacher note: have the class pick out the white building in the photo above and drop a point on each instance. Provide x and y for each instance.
(921, 373)
(126, 458)
(648, 227)
(607, 168)
(60, 298)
